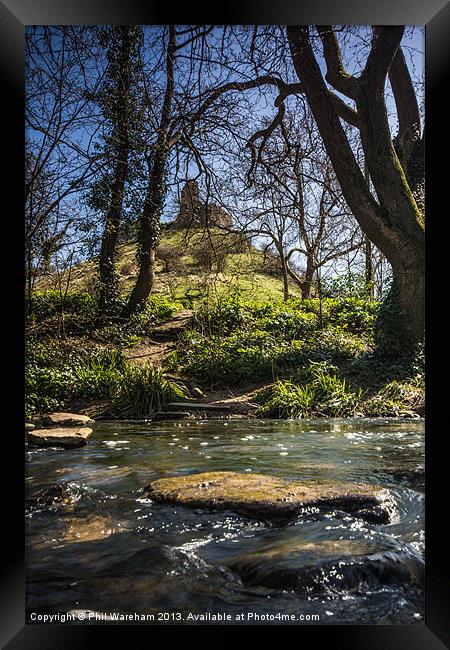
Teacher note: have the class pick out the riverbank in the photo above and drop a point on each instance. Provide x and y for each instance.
(289, 359)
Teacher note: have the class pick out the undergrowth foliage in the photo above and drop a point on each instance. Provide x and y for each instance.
(70, 358)
(317, 355)
(235, 341)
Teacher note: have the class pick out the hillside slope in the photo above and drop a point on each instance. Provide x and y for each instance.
(182, 272)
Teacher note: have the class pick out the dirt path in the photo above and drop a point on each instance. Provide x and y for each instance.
(164, 337)
(163, 340)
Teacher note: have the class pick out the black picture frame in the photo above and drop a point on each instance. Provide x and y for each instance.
(435, 15)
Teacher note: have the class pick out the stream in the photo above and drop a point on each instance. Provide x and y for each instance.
(107, 549)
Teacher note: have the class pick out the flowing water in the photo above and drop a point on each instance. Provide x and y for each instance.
(107, 549)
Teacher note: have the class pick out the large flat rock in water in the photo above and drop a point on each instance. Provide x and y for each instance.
(58, 437)
(65, 420)
(270, 497)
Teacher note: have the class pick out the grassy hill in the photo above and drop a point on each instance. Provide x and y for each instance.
(234, 265)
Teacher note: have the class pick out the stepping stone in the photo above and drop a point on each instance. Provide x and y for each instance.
(270, 497)
(59, 437)
(198, 406)
(171, 415)
(65, 420)
(29, 426)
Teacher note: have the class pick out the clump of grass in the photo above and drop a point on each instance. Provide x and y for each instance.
(285, 400)
(334, 396)
(379, 406)
(409, 393)
(55, 378)
(56, 375)
(143, 390)
(325, 395)
(395, 398)
(98, 375)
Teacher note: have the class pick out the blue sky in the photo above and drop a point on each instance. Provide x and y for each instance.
(414, 48)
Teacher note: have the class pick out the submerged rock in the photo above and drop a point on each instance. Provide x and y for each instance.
(64, 495)
(54, 495)
(341, 565)
(65, 420)
(269, 497)
(67, 438)
(89, 529)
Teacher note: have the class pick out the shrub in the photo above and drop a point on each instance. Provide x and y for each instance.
(223, 316)
(210, 255)
(46, 304)
(158, 309)
(170, 256)
(286, 400)
(232, 342)
(218, 360)
(374, 366)
(52, 312)
(331, 345)
(286, 319)
(143, 390)
(356, 315)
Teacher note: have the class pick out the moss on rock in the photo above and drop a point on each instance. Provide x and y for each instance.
(270, 497)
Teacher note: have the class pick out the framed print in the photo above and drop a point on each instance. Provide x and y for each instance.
(220, 219)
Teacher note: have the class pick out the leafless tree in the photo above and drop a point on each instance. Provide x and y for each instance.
(62, 70)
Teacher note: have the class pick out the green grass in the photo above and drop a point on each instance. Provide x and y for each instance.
(244, 272)
(143, 390)
(325, 395)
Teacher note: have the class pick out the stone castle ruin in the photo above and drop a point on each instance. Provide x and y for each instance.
(194, 213)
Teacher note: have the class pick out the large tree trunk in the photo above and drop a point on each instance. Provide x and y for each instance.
(149, 232)
(404, 226)
(108, 290)
(401, 319)
(150, 225)
(393, 223)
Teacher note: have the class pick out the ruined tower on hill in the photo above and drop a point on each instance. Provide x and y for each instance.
(194, 213)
